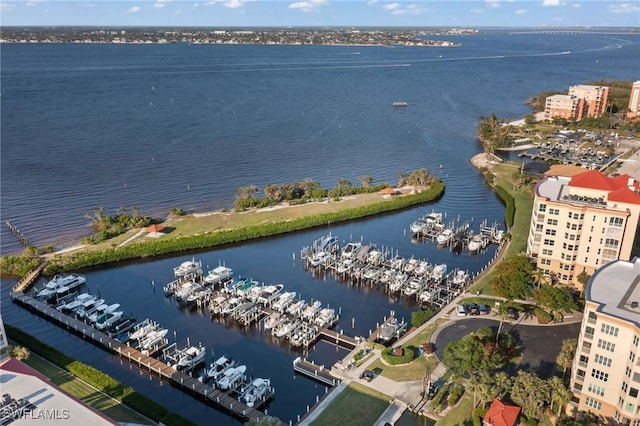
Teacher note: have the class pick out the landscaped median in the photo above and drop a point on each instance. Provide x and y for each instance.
(167, 244)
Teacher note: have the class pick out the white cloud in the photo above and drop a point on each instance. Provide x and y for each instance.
(34, 3)
(521, 11)
(6, 7)
(159, 5)
(476, 10)
(372, 2)
(178, 12)
(493, 3)
(576, 5)
(233, 4)
(410, 9)
(210, 3)
(551, 3)
(134, 9)
(391, 6)
(623, 8)
(308, 6)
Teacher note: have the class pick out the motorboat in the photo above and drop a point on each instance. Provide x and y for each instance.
(75, 304)
(302, 335)
(444, 237)
(187, 267)
(422, 269)
(186, 289)
(232, 285)
(397, 263)
(296, 308)
(438, 272)
(386, 276)
(371, 273)
(320, 258)
(245, 289)
(244, 308)
(101, 310)
(284, 328)
(196, 295)
(254, 391)
(217, 305)
(327, 243)
(231, 377)
(398, 281)
(311, 310)
(66, 281)
(433, 219)
(88, 308)
(391, 329)
(230, 305)
(418, 225)
(460, 278)
(374, 257)
(217, 368)
(284, 300)
(106, 319)
(476, 243)
(218, 275)
(426, 296)
(413, 286)
(269, 293)
(349, 250)
(272, 320)
(153, 338)
(344, 266)
(121, 326)
(143, 328)
(191, 357)
(411, 265)
(325, 317)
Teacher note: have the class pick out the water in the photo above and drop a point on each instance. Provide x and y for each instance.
(88, 126)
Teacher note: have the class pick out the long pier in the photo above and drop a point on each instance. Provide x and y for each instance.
(18, 234)
(188, 384)
(314, 371)
(27, 281)
(338, 339)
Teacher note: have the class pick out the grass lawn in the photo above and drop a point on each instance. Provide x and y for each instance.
(85, 392)
(356, 405)
(461, 414)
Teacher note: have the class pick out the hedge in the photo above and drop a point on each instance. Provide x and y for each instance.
(510, 205)
(103, 382)
(149, 249)
(408, 355)
(543, 316)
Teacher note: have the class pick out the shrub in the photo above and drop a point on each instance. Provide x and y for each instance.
(510, 205)
(420, 317)
(543, 316)
(409, 354)
(455, 392)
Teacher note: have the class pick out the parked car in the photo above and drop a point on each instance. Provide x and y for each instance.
(512, 313)
(472, 309)
(368, 375)
(461, 310)
(484, 309)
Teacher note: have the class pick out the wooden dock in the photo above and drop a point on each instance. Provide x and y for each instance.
(191, 385)
(27, 281)
(338, 339)
(314, 371)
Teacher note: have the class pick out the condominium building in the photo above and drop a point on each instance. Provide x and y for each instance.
(595, 98)
(634, 100)
(605, 378)
(4, 342)
(582, 222)
(564, 106)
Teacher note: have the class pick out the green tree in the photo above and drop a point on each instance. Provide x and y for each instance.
(531, 393)
(266, 421)
(566, 354)
(465, 356)
(246, 192)
(503, 383)
(271, 192)
(555, 298)
(559, 393)
(365, 181)
(20, 353)
(511, 278)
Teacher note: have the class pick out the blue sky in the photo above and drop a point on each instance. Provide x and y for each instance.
(321, 13)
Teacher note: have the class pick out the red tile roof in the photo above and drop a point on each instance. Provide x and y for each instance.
(595, 180)
(501, 414)
(624, 195)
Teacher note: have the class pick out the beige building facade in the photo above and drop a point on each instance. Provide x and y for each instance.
(581, 223)
(595, 99)
(634, 100)
(564, 106)
(581, 101)
(605, 378)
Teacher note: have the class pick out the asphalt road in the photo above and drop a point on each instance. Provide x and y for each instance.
(541, 344)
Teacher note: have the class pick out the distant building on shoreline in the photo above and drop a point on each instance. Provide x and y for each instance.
(581, 101)
(581, 223)
(634, 101)
(605, 378)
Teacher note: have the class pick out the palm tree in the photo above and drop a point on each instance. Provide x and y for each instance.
(559, 393)
(402, 179)
(502, 383)
(540, 278)
(20, 353)
(365, 181)
(474, 384)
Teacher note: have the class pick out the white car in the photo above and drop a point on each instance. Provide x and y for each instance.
(461, 310)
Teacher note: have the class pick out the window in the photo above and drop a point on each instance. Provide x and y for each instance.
(554, 211)
(550, 232)
(553, 222)
(611, 243)
(588, 332)
(548, 242)
(547, 252)
(603, 360)
(598, 390)
(592, 403)
(616, 221)
(632, 356)
(543, 208)
(627, 372)
(625, 387)
(633, 393)
(635, 340)
(606, 345)
(610, 330)
(599, 375)
(592, 317)
(545, 262)
(539, 227)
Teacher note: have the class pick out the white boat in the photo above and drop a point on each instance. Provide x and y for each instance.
(70, 282)
(217, 369)
(272, 320)
(386, 276)
(418, 225)
(398, 281)
(101, 310)
(218, 275)
(349, 250)
(153, 338)
(476, 243)
(295, 308)
(438, 272)
(231, 377)
(426, 295)
(230, 305)
(311, 311)
(269, 293)
(411, 265)
(187, 267)
(397, 263)
(433, 219)
(245, 289)
(75, 304)
(196, 295)
(344, 266)
(327, 243)
(325, 317)
(374, 257)
(186, 289)
(88, 308)
(371, 273)
(254, 391)
(284, 328)
(444, 237)
(460, 278)
(413, 287)
(142, 329)
(422, 269)
(107, 319)
(320, 258)
(191, 357)
(390, 329)
(284, 300)
(217, 305)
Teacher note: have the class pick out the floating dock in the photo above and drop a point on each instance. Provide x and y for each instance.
(314, 371)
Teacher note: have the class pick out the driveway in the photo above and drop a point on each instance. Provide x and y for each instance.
(541, 343)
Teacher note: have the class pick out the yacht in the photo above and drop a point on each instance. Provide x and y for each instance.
(101, 310)
(272, 320)
(218, 275)
(320, 258)
(296, 308)
(187, 267)
(71, 307)
(413, 287)
(191, 358)
(186, 289)
(269, 293)
(245, 289)
(143, 328)
(254, 391)
(121, 326)
(231, 377)
(438, 272)
(88, 308)
(153, 338)
(284, 328)
(311, 311)
(70, 281)
(325, 317)
(460, 278)
(217, 369)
